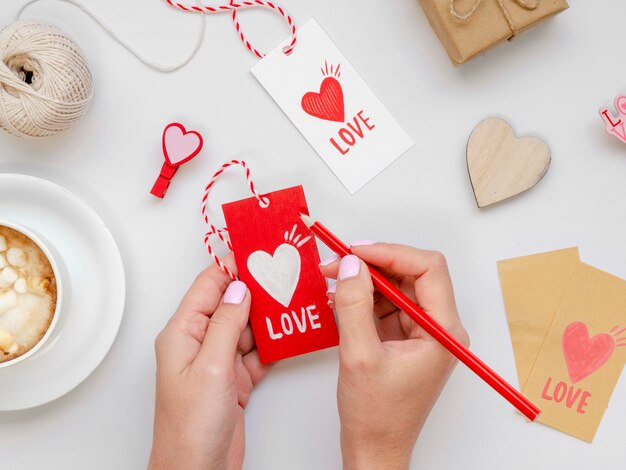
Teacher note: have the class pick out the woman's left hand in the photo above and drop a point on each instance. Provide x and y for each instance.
(207, 365)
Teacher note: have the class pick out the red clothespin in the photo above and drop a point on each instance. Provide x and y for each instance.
(179, 146)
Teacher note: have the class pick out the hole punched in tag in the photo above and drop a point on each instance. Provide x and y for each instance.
(233, 7)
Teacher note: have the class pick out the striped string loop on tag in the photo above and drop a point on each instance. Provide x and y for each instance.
(233, 6)
(221, 233)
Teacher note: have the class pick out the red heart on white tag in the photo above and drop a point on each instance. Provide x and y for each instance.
(179, 144)
(328, 103)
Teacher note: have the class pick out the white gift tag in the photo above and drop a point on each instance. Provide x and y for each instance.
(332, 107)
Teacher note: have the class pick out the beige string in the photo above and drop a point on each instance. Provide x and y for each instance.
(45, 84)
(165, 68)
(527, 5)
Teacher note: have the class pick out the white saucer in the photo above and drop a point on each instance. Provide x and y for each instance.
(94, 290)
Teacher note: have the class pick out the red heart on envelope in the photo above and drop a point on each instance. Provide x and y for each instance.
(179, 144)
(328, 103)
(585, 355)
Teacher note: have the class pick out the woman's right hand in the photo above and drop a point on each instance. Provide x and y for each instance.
(391, 371)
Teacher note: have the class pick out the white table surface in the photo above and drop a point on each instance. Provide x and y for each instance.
(550, 81)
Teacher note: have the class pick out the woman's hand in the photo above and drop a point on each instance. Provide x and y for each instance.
(207, 365)
(391, 371)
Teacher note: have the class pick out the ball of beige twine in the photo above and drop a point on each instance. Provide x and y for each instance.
(45, 84)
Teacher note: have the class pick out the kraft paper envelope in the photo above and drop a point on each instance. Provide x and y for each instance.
(583, 354)
(532, 288)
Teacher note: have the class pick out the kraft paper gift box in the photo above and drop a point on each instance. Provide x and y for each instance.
(468, 27)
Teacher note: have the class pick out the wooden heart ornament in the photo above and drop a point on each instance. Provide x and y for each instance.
(501, 165)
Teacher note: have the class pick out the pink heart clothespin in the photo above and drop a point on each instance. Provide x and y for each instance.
(179, 146)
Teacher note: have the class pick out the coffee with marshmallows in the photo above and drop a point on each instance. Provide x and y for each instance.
(28, 294)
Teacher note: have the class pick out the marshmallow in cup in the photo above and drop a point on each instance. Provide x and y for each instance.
(12, 285)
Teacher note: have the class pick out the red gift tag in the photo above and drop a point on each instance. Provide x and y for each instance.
(277, 258)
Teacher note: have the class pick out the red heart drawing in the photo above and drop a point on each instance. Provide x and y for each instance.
(179, 144)
(585, 355)
(328, 103)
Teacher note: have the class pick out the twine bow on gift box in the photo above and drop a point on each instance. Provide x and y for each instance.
(522, 3)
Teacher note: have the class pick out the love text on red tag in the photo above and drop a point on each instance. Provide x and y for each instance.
(277, 258)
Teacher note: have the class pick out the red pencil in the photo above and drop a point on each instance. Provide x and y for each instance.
(430, 326)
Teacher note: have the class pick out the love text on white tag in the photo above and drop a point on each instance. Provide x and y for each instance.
(332, 107)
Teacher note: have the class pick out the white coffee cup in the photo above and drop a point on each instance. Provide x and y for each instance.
(59, 295)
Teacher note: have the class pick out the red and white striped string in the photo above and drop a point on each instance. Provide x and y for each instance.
(263, 202)
(234, 6)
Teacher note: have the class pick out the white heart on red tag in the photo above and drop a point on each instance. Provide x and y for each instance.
(278, 274)
(179, 144)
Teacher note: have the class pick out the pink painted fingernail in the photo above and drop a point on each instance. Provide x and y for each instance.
(362, 242)
(329, 260)
(332, 288)
(349, 267)
(235, 293)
